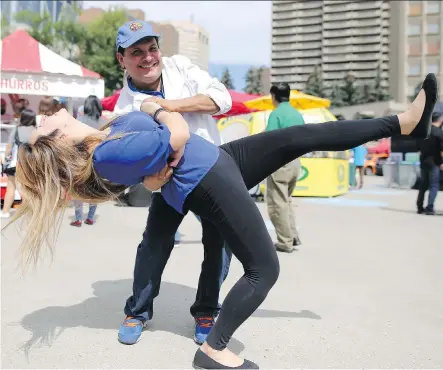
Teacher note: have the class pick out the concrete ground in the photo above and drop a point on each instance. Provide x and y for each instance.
(363, 291)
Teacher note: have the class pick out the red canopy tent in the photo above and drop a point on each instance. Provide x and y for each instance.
(30, 68)
(238, 107)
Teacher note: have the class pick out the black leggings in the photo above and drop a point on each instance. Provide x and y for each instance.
(223, 199)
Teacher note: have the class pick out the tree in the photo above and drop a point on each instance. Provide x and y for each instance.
(250, 81)
(367, 94)
(99, 53)
(258, 82)
(337, 97)
(314, 84)
(253, 80)
(40, 27)
(6, 28)
(350, 92)
(226, 80)
(381, 93)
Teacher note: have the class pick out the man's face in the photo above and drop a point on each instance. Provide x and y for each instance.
(142, 61)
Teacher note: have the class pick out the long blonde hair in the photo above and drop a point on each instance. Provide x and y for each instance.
(48, 170)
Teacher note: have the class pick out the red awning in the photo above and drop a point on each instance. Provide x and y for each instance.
(237, 103)
(22, 53)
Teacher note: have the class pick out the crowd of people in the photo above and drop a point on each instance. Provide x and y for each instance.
(165, 137)
(24, 122)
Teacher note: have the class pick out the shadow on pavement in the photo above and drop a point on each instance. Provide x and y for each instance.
(105, 311)
(411, 211)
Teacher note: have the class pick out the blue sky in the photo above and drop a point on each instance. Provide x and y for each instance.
(240, 31)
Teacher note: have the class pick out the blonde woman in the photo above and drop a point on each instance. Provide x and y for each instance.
(67, 157)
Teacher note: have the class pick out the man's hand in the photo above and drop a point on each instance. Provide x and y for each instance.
(169, 105)
(157, 180)
(441, 167)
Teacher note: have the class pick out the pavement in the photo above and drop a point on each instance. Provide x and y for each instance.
(364, 290)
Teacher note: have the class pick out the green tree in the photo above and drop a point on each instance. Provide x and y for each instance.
(337, 97)
(99, 53)
(381, 93)
(226, 80)
(350, 91)
(41, 27)
(250, 81)
(367, 94)
(5, 29)
(314, 84)
(258, 81)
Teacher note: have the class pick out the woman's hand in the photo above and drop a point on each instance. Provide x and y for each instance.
(176, 156)
(149, 106)
(156, 181)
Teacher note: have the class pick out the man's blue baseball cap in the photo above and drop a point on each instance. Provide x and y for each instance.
(132, 32)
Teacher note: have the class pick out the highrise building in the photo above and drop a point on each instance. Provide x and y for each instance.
(53, 7)
(193, 42)
(401, 39)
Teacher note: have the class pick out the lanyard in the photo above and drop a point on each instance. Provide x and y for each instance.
(160, 93)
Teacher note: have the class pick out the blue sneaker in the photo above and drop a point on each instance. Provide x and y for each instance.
(131, 330)
(203, 325)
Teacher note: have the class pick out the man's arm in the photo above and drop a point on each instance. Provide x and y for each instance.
(212, 96)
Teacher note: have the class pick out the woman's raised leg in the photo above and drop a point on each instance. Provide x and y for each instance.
(260, 155)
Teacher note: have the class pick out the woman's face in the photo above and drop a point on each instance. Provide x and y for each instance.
(62, 121)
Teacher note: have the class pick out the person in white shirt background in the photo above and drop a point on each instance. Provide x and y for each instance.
(178, 86)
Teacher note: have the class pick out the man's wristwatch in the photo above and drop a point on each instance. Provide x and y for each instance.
(157, 112)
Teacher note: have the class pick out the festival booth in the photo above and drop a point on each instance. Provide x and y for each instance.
(31, 70)
(323, 174)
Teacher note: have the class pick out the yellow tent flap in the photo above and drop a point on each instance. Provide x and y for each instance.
(298, 100)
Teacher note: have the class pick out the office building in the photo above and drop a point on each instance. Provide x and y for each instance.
(401, 39)
(193, 42)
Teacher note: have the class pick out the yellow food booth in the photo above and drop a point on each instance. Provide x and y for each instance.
(323, 174)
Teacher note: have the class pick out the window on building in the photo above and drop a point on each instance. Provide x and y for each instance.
(413, 29)
(415, 8)
(414, 46)
(433, 7)
(432, 67)
(433, 28)
(414, 68)
(433, 46)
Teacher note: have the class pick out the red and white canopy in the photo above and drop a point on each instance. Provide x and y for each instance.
(29, 67)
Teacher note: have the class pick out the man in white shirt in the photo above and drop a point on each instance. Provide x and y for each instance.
(180, 86)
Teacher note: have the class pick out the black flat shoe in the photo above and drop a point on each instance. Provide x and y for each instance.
(203, 361)
(423, 128)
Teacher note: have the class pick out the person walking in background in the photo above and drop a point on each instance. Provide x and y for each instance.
(45, 108)
(19, 134)
(430, 165)
(92, 116)
(359, 153)
(281, 184)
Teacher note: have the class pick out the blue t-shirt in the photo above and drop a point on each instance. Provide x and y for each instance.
(360, 155)
(144, 149)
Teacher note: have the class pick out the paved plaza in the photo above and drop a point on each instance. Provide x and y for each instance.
(364, 290)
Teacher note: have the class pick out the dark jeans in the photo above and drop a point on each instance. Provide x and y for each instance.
(430, 180)
(153, 254)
